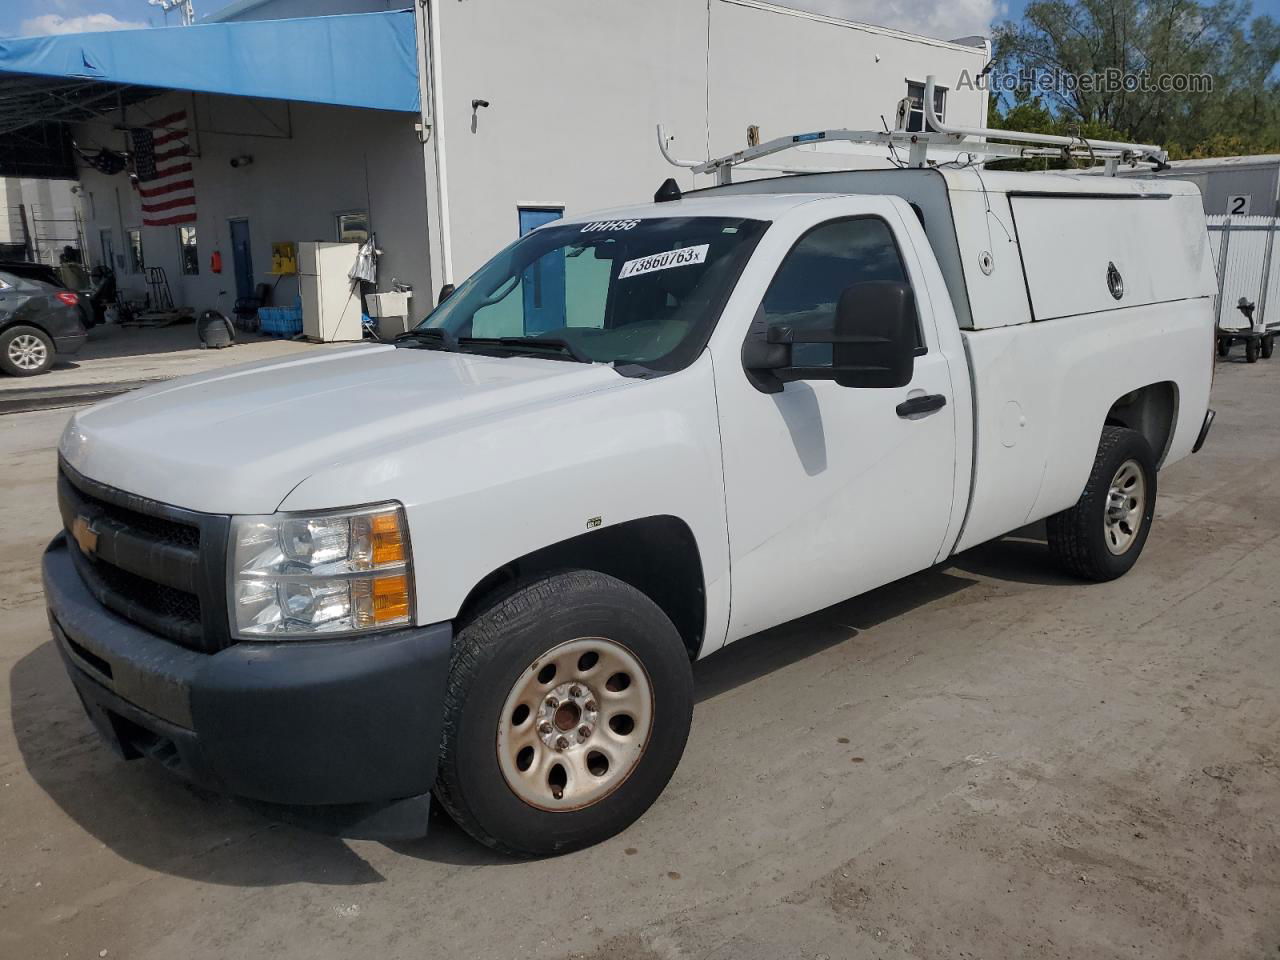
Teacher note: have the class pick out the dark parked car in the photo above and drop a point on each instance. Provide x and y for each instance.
(68, 276)
(37, 320)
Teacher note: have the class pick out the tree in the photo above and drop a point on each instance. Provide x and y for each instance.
(1152, 39)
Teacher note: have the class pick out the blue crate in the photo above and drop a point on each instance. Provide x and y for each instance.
(290, 321)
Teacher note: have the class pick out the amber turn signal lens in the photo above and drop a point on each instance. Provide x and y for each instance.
(387, 539)
(390, 599)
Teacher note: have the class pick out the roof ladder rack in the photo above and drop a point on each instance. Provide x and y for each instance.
(981, 143)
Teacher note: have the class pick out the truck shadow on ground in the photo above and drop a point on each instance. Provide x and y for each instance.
(1021, 557)
(751, 658)
(146, 816)
(150, 819)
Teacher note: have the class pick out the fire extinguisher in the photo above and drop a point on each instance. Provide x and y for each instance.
(215, 261)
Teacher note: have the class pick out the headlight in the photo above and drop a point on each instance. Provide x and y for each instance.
(296, 576)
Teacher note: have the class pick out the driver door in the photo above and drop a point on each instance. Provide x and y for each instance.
(831, 490)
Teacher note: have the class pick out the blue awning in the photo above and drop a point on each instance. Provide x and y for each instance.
(355, 60)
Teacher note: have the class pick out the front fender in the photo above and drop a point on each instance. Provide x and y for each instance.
(488, 492)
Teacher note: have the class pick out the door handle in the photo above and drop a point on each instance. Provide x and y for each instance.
(924, 404)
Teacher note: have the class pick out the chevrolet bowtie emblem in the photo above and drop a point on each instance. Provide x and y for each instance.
(85, 535)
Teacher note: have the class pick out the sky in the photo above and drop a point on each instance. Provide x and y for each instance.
(947, 19)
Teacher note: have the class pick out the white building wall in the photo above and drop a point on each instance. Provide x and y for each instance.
(576, 88)
(10, 223)
(50, 210)
(289, 9)
(787, 71)
(310, 163)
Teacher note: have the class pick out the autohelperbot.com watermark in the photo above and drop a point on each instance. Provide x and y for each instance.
(1051, 80)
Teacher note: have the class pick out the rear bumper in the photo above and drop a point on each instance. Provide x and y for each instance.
(71, 342)
(340, 722)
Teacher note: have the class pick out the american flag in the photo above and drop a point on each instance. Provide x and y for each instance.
(162, 161)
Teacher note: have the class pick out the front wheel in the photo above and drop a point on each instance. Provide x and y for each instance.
(567, 711)
(1101, 537)
(1251, 347)
(1268, 346)
(1224, 346)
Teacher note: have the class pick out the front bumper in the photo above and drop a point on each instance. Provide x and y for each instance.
(336, 722)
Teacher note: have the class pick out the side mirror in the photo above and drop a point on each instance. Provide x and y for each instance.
(876, 328)
(873, 343)
(445, 293)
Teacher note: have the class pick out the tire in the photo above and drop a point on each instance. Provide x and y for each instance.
(1268, 346)
(1224, 346)
(1084, 539)
(498, 696)
(1251, 350)
(25, 351)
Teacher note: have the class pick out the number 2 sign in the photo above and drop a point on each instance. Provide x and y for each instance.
(1238, 205)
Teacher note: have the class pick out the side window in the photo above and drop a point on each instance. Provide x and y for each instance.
(825, 261)
(503, 315)
(353, 227)
(587, 274)
(915, 113)
(136, 262)
(567, 287)
(188, 253)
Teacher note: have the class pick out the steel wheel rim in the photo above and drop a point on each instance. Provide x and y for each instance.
(1126, 503)
(571, 731)
(28, 352)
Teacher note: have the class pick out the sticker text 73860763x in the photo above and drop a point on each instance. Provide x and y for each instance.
(664, 261)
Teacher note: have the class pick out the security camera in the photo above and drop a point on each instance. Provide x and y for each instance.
(241, 161)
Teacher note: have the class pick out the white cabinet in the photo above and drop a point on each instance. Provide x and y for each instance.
(330, 300)
(391, 310)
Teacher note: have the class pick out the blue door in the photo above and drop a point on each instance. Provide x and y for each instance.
(242, 260)
(543, 281)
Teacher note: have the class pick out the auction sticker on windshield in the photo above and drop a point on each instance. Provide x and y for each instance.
(664, 261)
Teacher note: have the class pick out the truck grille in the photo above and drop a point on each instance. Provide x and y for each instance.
(158, 566)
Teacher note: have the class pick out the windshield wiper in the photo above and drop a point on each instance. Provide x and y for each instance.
(446, 340)
(553, 343)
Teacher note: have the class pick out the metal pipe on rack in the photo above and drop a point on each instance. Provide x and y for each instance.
(960, 133)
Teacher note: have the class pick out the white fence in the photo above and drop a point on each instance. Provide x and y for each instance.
(1248, 261)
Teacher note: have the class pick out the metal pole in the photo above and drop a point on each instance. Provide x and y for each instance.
(436, 68)
(26, 232)
(1260, 319)
(1223, 245)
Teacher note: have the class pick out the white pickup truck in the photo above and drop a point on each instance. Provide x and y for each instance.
(479, 562)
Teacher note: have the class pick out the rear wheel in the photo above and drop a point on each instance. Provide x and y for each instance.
(25, 351)
(568, 708)
(1251, 347)
(1101, 537)
(1224, 346)
(1268, 346)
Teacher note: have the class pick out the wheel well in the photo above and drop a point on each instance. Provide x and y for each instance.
(656, 555)
(10, 322)
(1152, 411)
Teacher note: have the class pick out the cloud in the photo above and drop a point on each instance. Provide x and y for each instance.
(55, 23)
(945, 21)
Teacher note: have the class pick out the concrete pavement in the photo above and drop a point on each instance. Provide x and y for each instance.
(117, 359)
(984, 760)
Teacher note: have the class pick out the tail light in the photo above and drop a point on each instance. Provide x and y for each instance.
(67, 297)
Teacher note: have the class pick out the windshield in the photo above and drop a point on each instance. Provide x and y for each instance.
(644, 292)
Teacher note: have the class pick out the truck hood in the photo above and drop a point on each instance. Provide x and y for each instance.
(238, 440)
